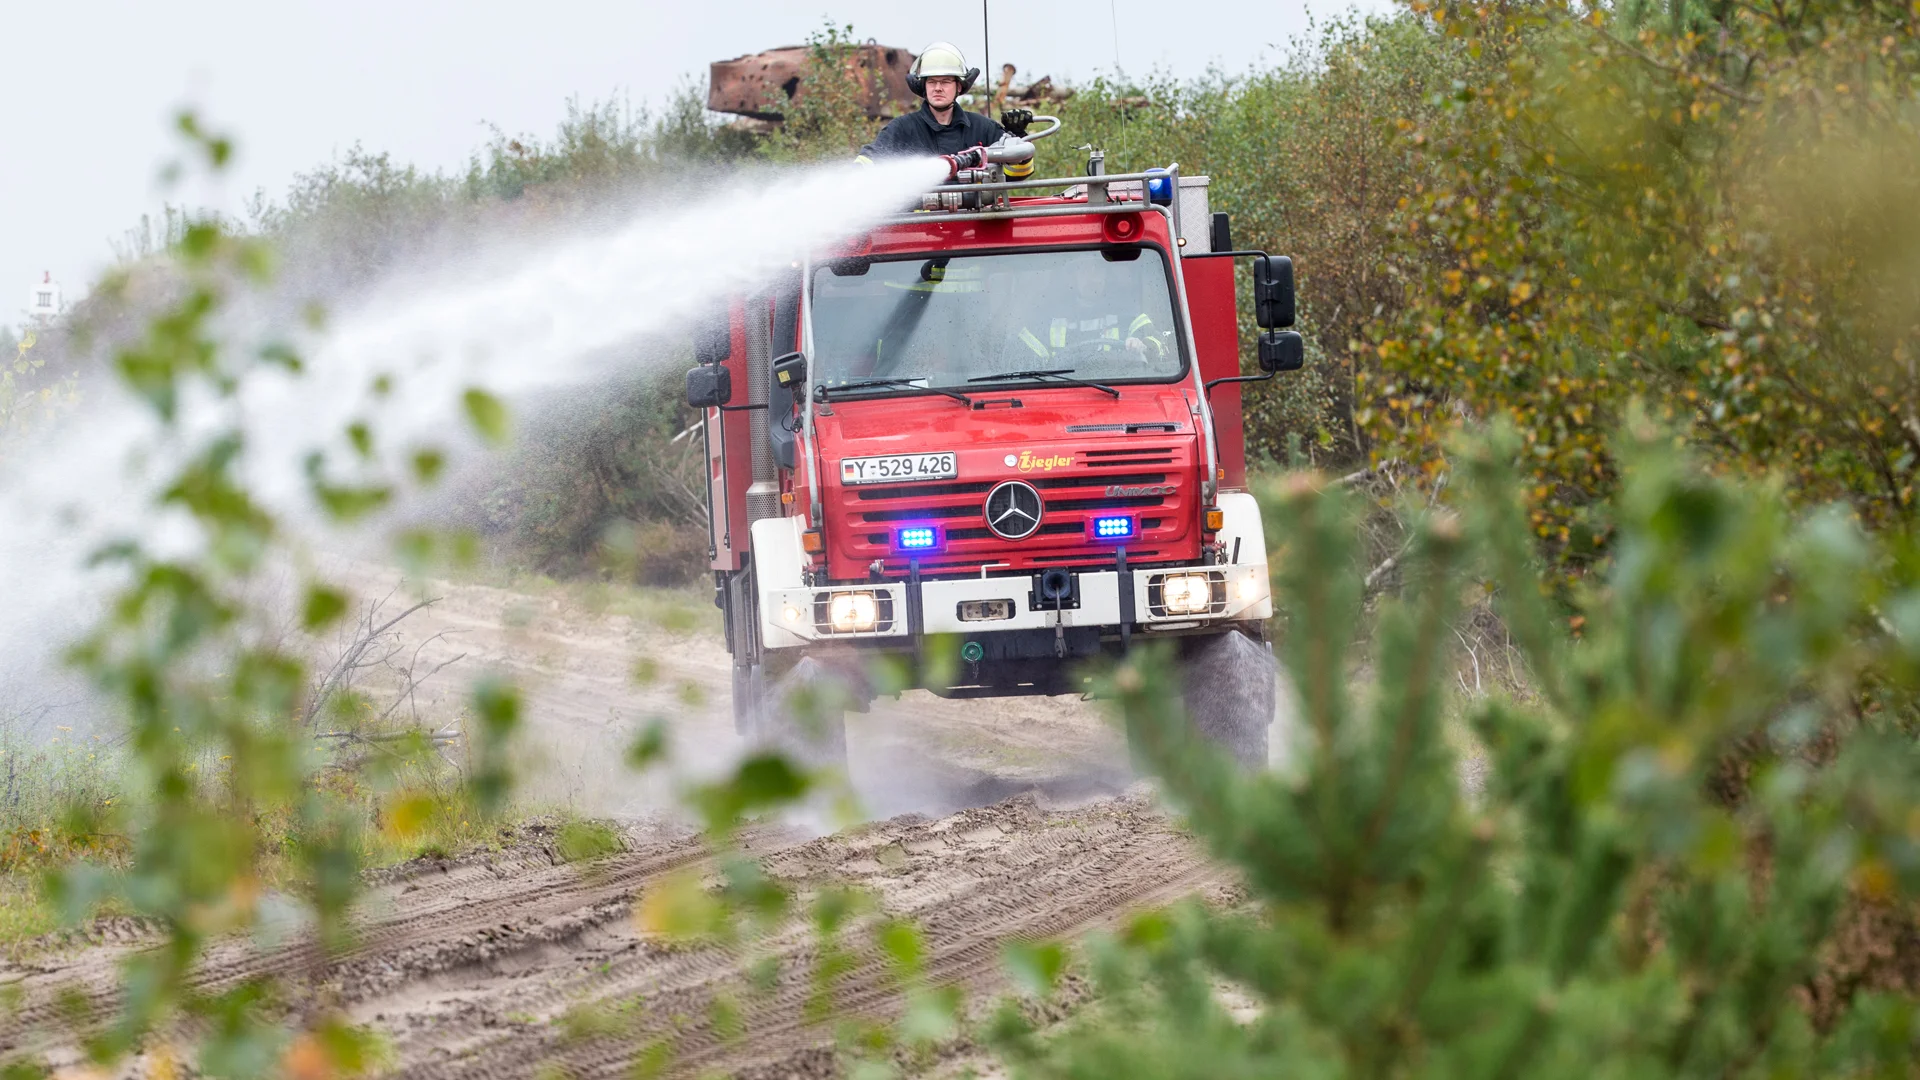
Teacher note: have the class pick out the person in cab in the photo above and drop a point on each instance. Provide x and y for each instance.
(1093, 322)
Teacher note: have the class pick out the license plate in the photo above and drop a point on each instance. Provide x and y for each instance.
(895, 467)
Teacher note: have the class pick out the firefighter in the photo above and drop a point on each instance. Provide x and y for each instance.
(1093, 324)
(940, 127)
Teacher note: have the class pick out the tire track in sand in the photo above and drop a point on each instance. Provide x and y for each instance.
(472, 969)
(970, 880)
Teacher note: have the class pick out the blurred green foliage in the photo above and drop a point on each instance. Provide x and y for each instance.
(233, 795)
(1607, 902)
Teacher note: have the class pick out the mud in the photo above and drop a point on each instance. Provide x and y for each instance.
(989, 821)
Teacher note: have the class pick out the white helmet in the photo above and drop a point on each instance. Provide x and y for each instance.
(940, 58)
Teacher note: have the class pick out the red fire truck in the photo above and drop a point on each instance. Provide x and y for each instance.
(994, 438)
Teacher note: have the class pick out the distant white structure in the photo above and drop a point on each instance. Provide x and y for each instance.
(45, 302)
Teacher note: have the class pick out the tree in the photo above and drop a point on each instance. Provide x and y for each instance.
(1605, 904)
(1704, 206)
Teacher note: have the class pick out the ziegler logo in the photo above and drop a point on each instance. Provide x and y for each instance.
(1118, 492)
(1030, 462)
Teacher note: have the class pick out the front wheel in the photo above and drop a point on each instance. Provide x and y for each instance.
(799, 710)
(1229, 684)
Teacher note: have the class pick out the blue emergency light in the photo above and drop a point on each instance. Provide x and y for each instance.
(916, 538)
(1111, 528)
(1160, 186)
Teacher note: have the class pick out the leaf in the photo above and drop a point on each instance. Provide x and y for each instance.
(497, 704)
(408, 815)
(428, 464)
(649, 747)
(1035, 968)
(582, 840)
(322, 608)
(487, 415)
(679, 907)
(902, 944)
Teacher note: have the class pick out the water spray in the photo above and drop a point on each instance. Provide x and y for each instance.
(564, 313)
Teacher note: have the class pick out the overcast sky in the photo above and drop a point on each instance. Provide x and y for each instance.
(87, 87)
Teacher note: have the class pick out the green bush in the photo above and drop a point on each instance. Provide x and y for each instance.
(1606, 904)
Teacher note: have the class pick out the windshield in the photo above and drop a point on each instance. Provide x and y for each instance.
(1102, 315)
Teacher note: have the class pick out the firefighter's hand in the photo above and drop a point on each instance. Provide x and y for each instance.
(1137, 347)
(1016, 121)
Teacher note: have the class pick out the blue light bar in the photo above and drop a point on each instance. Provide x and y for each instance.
(1160, 186)
(916, 538)
(1111, 528)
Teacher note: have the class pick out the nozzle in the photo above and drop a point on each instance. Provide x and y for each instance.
(973, 157)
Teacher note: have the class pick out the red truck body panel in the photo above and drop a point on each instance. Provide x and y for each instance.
(1216, 334)
(730, 454)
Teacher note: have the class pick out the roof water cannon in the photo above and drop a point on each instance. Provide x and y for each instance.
(1010, 150)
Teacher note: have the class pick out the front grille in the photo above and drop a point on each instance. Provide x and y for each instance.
(1044, 483)
(1051, 528)
(864, 519)
(1130, 456)
(921, 513)
(1060, 506)
(927, 491)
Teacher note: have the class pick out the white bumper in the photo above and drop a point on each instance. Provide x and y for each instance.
(793, 614)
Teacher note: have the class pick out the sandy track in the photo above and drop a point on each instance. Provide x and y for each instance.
(492, 1007)
(1000, 820)
(473, 968)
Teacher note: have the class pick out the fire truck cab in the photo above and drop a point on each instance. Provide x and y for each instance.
(992, 439)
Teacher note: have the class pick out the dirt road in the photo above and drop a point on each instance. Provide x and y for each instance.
(990, 821)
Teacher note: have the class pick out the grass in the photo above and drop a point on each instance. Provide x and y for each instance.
(69, 798)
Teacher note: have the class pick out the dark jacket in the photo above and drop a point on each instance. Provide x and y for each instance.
(918, 133)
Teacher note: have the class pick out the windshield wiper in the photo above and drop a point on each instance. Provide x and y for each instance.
(1064, 374)
(875, 384)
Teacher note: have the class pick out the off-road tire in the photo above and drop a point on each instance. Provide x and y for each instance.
(801, 712)
(1229, 684)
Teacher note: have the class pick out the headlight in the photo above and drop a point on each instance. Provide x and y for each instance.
(852, 612)
(1250, 587)
(1186, 594)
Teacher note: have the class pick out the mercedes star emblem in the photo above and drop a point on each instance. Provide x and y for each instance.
(1013, 510)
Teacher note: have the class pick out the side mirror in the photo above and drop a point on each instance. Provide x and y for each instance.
(790, 373)
(1272, 291)
(709, 386)
(1282, 350)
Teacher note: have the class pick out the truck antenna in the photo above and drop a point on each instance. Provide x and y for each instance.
(986, 58)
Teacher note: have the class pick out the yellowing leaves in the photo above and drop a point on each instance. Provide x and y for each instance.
(679, 907)
(408, 815)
